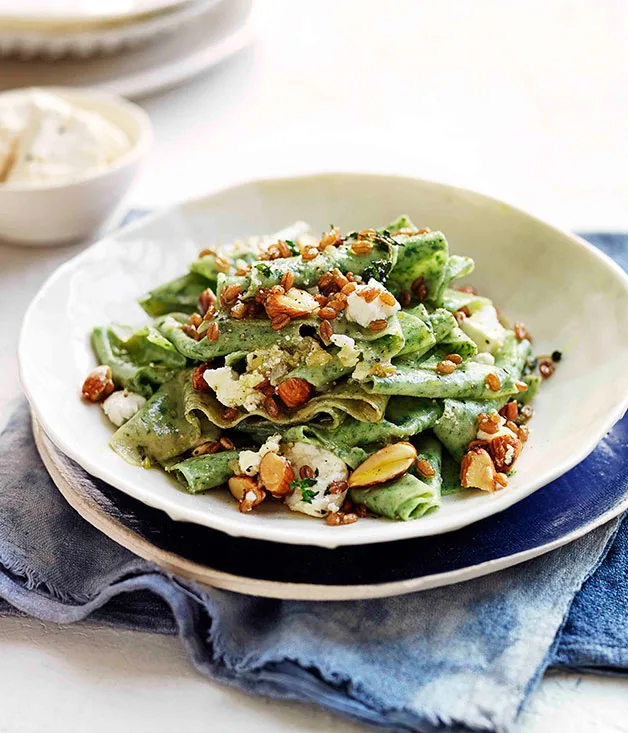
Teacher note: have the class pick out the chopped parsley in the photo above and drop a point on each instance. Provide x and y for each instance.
(307, 495)
(292, 247)
(379, 269)
(264, 269)
(302, 483)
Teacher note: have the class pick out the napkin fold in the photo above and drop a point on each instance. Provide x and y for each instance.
(464, 657)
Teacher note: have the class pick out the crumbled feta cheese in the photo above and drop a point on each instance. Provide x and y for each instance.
(249, 460)
(330, 468)
(62, 142)
(235, 390)
(272, 362)
(120, 406)
(360, 312)
(510, 454)
(485, 358)
(484, 328)
(348, 353)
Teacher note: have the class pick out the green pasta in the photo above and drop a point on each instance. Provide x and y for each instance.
(324, 350)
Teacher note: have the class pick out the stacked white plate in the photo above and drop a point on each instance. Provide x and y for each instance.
(132, 50)
(30, 28)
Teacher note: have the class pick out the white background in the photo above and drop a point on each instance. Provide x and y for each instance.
(525, 101)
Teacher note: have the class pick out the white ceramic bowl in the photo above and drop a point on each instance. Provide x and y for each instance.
(571, 297)
(59, 213)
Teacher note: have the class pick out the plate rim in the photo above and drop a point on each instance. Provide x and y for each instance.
(290, 536)
(172, 562)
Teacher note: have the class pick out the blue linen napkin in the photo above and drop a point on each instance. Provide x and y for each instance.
(465, 658)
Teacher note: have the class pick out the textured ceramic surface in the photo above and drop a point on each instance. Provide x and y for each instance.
(86, 41)
(214, 34)
(571, 296)
(54, 12)
(578, 502)
(59, 218)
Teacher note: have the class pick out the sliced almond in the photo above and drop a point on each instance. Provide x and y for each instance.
(247, 492)
(387, 464)
(98, 384)
(504, 450)
(275, 474)
(477, 471)
(295, 303)
(239, 485)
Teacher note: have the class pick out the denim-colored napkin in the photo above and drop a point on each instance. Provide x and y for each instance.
(464, 657)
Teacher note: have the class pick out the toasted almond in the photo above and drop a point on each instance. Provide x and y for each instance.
(287, 281)
(198, 378)
(226, 443)
(294, 392)
(195, 320)
(492, 382)
(379, 324)
(326, 331)
(330, 238)
(445, 367)
(239, 311)
(361, 247)
(275, 474)
(337, 487)
(327, 313)
(367, 234)
(501, 479)
(456, 358)
(488, 423)
(213, 332)
(246, 491)
(387, 298)
(477, 470)
(369, 294)
(205, 300)
(546, 368)
(98, 384)
(229, 294)
(521, 386)
(229, 414)
(523, 432)
(424, 468)
(349, 288)
(340, 281)
(279, 322)
(504, 449)
(206, 252)
(306, 472)
(521, 332)
(294, 303)
(191, 332)
(336, 519)
(271, 407)
(405, 298)
(510, 410)
(309, 253)
(385, 465)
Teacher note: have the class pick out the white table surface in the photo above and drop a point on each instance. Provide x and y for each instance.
(525, 101)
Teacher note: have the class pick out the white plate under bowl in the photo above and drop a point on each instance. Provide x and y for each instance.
(571, 297)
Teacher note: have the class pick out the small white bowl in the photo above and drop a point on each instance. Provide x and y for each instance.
(60, 213)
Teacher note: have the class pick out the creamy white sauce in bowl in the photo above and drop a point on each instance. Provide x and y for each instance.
(68, 154)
